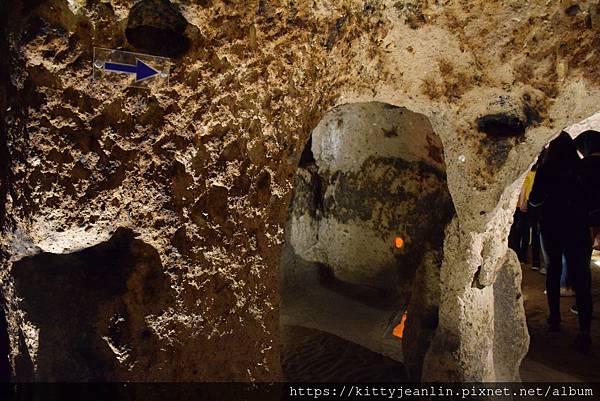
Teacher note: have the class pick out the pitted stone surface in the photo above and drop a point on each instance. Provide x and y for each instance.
(202, 170)
(378, 175)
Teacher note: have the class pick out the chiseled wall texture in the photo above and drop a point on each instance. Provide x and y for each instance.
(378, 174)
(176, 199)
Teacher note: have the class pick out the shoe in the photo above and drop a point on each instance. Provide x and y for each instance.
(567, 292)
(582, 342)
(535, 268)
(574, 309)
(553, 327)
(543, 270)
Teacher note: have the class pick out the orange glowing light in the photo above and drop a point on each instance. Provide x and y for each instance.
(399, 329)
(398, 242)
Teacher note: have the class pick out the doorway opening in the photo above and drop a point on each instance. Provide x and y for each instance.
(552, 355)
(364, 246)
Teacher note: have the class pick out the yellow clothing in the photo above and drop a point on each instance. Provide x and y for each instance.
(526, 190)
(528, 184)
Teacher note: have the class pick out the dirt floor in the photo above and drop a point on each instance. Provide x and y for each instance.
(551, 356)
(313, 356)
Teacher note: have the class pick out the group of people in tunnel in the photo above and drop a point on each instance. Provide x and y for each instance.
(558, 213)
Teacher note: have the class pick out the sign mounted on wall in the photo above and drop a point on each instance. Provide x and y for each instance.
(122, 68)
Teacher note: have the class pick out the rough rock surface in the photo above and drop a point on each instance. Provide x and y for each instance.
(201, 171)
(106, 296)
(378, 174)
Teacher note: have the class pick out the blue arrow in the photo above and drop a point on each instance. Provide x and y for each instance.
(140, 69)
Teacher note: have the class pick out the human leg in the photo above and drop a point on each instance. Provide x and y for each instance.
(514, 236)
(525, 232)
(553, 249)
(578, 253)
(535, 245)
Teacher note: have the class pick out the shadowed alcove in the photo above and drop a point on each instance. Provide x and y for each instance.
(102, 295)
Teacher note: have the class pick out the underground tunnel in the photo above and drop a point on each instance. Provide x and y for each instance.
(364, 240)
(261, 209)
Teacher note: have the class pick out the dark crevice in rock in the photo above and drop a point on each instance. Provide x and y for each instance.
(476, 283)
(573, 10)
(335, 32)
(503, 131)
(532, 115)
(307, 158)
(501, 125)
(87, 304)
(308, 192)
(319, 195)
(157, 27)
(507, 125)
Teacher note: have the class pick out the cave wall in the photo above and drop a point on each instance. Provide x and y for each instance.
(591, 123)
(5, 367)
(95, 311)
(378, 174)
(375, 172)
(201, 171)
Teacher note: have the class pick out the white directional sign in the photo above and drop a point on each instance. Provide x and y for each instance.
(122, 68)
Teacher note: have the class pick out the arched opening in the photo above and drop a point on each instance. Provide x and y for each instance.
(553, 354)
(364, 246)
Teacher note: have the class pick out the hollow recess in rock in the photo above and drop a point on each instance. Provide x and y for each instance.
(89, 310)
(157, 27)
(365, 231)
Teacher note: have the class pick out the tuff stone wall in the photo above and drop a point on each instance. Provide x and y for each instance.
(375, 173)
(378, 174)
(200, 171)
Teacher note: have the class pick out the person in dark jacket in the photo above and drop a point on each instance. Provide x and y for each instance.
(520, 231)
(558, 199)
(589, 146)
